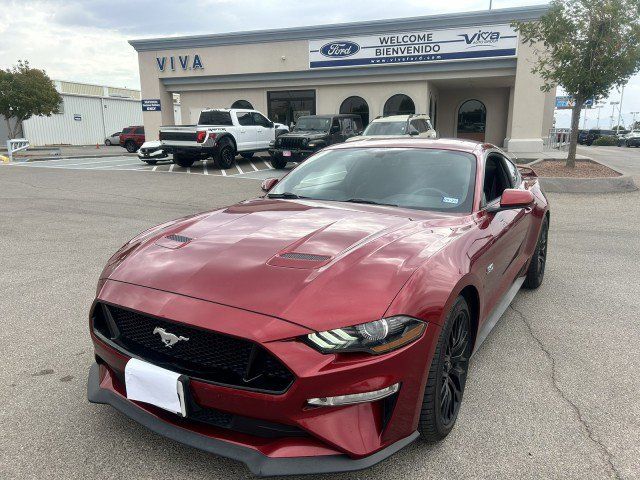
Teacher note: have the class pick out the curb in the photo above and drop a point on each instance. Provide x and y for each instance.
(69, 157)
(622, 184)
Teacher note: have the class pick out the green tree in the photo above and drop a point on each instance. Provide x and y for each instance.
(24, 92)
(587, 47)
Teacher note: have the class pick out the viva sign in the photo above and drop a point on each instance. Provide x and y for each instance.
(185, 62)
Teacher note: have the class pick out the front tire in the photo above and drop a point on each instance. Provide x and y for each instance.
(535, 272)
(183, 160)
(447, 375)
(278, 163)
(107, 143)
(131, 146)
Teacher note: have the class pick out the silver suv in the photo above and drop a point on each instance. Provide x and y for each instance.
(394, 126)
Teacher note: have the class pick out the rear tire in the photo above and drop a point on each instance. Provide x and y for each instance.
(447, 375)
(226, 155)
(131, 146)
(535, 272)
(278, 163)
(107, 143)
(183, 160)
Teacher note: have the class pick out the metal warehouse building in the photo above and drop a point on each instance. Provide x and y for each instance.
(469, 71)
(88, 114)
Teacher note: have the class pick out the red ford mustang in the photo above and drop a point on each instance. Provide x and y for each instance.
(328, 324)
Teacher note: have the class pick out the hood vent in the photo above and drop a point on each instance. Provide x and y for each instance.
(309, 257)
(178, 238)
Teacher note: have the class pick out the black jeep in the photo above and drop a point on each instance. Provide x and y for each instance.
(310, 134)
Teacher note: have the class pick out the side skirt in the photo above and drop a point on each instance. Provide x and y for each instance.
(497, 312)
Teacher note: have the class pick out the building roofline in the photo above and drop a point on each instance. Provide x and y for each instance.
(465, 19)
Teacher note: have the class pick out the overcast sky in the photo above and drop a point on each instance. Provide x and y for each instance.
(86, 41)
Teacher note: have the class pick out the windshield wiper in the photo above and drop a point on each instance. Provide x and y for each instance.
(284, 195)
(368, 202)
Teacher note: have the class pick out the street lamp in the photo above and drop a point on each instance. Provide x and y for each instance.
(613, 111)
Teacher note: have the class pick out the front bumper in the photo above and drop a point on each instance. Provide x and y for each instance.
(334, 438)
(152, 155)
(296, 153)
(100, 390)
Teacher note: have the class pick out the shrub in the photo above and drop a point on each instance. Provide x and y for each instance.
(606, 141)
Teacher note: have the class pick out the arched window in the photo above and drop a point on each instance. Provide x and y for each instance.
(356, 105)
(242, 104)
(399, 105)
(472, 120)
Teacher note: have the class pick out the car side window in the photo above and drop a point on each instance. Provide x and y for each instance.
(335, 124)
(513, 172)
(347, 126)
(419, 125)
(245, 119)
(496, 179)
(260, 120)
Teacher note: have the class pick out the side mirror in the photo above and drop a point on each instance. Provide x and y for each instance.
(514, 198)
(269, 183)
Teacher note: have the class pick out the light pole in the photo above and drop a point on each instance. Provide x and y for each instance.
(613, 111)
(633, 122)
(620, 110)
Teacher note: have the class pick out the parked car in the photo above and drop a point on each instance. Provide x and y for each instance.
(151, 152)
(113, 139)
(222, 134)
(394, 126)
(631, 139)
(312, 133)
(132, 138)
(582, 137)
(593, 135)
(330, 323)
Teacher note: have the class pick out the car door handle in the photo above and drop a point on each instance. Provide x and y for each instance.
(243, 131)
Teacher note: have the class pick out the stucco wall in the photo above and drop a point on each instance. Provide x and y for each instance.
(496, 100)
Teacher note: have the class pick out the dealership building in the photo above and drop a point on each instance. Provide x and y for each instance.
(468, 71)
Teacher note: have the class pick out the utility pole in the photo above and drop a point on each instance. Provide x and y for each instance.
(613, 111)
(599, 107)
(620, 111)
(633, 122)
(490, 4)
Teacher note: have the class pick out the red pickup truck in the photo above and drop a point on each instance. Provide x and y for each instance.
(132, 138)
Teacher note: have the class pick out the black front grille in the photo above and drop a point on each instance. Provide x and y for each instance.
(290, 142)
(198, 353)
(180, 136)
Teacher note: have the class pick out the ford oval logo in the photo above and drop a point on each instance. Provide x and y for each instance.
(339, 49)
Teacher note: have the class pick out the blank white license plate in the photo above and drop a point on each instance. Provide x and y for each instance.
(286, 153)
(154, 385)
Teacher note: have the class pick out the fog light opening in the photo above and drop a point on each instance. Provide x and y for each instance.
(354, 397)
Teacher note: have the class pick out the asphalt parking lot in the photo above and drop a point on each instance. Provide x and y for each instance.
(552, 393)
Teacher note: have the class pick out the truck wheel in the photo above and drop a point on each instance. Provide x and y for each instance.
(226, 155)
(131, 146)
(183, 160)
(247, 155)
(278, 163)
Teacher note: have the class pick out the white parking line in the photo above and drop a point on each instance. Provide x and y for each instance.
(171, 167)
(267, 165)
(239, 169)
(255, 169)
(188, 169)
(204, 167)
(64, 165)
(154, 168)
(109, 166)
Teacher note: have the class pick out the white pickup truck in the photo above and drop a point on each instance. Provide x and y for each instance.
(222, 134)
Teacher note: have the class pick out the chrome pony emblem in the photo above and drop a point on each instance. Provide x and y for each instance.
(169, 339)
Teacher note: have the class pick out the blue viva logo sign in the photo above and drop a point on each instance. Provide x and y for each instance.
(184, 61)
(339, 49)
(481, 38)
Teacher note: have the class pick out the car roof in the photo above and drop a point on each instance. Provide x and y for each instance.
(457, 144)
(400, 118)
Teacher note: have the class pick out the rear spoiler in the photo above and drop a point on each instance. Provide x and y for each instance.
(527, 172)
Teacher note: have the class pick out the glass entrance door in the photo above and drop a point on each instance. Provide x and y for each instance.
(286, 106)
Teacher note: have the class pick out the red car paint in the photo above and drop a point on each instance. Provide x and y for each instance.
(380, 261)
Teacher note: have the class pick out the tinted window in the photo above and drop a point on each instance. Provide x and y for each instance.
(140, 130)
(335, 124)
(313, 124)
(245, 119)
(215, 117)
(347, 125)
(424, 179)
(127, 130)
(420, 125)
(260, 120)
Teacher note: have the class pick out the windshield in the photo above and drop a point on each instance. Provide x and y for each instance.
(386, 128)
(312, 123)
(424, 179)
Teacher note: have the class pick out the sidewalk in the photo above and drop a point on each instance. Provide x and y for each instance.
(68, 151)
(527, 157)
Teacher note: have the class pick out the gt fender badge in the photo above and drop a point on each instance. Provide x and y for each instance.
(169, 339)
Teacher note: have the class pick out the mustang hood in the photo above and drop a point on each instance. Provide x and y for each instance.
(304, 261)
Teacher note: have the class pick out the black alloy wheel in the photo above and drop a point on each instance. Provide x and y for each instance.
(107, 142)
(447, 375)
(454, 369)
(226, 155)
(535, 272)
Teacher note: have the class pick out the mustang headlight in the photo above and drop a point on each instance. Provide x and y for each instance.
(379, 336)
